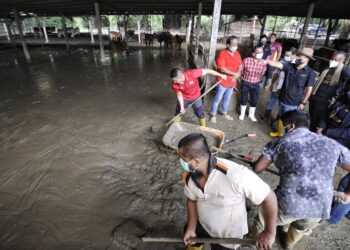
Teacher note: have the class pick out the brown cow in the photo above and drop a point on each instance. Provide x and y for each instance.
(115, 35)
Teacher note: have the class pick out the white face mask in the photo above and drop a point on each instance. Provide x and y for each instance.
(233, 49)
(264, 40)
(287, 58)
(293, 60)
(259, 55)
(333, 64)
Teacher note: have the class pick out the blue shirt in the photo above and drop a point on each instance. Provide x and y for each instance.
(295, 82)
(306, 163)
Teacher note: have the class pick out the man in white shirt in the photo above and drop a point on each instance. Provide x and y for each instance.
(216, 190)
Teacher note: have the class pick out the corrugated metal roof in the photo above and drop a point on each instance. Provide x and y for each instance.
(323, 8)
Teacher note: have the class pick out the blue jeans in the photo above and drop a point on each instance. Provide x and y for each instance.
(250, 88)
(273, 100)
(221, 92)
(284, 108)
(197, 107)
(340, 210)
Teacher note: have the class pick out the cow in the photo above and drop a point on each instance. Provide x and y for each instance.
(60, 33)
(164, 36)
(179, 40)
(74, 32)
(341, 44)
(113, 36)
(131, 34)
(147, 39)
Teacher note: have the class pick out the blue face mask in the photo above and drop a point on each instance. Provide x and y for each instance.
(185, 166)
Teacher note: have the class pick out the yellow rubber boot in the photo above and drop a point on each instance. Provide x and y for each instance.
(202, 122)
(279, 131)
(190, 247)
(292, 238)
(177, 119)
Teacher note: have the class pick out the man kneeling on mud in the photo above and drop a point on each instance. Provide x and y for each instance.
(216, 190)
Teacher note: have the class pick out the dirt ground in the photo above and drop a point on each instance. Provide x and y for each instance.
(82, 165)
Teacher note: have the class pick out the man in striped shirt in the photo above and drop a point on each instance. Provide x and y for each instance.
(254, 69)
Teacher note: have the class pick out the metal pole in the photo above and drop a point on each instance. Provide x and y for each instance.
(214, 36)
(306, 25)
(39, 26)
(91, 34)
(100, 38)
(63, 23)
(19, 27)
(139, 29)
(45, 31)
(6, 31)
(274, 26)
(263, 26)
(188, 30)
(198, 27)
(7, 24)
(316, 34)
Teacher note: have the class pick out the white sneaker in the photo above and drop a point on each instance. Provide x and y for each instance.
(213, 119)
(228, 117)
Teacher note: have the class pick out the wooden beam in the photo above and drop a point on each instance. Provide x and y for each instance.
(302, 40)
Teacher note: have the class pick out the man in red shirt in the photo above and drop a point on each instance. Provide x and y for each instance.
(230, 63)
(254, 69)
(186, 86)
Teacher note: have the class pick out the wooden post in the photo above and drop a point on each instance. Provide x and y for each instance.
(316, 34)
(329, 32)
(45, 31)
(263, 26)
(91, 31)
(193, 24)
(9, 32)
(63, 23)
(302, 40)
(125, 24)
(100, 38)
(214, 37)
(198, 28)
(19, 27)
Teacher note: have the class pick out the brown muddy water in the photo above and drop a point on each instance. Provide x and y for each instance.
(81, 168)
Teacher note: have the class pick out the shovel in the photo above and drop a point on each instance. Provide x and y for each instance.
(189, 106)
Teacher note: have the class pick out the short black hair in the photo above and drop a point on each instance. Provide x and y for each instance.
(273, 34)
(230, 38)
(293, 50)
(175, 72)
(342, 53)
(194, 145)
(257, 46)
(263, 36)
(297, 117)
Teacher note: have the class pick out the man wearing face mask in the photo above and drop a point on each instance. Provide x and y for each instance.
(297, 85)
(276, 51)
(306, 164)
(337, 127)
(266, 46)
(216, 190)
(289, 55)
(326, 87)
(228, 62)
(253, 71)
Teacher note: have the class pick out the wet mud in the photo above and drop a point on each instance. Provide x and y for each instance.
(80, 166)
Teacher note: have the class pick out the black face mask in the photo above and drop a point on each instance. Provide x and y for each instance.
(298, 62)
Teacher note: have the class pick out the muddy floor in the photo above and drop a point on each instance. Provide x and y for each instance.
(82, 165)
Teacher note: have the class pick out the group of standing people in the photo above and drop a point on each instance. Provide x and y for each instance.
(308, 148)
